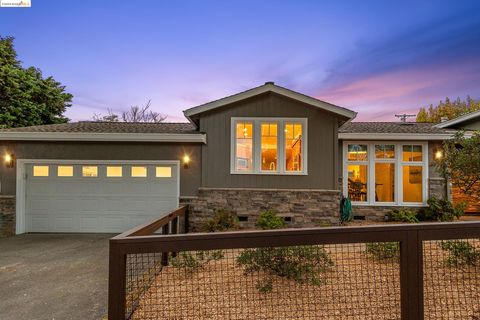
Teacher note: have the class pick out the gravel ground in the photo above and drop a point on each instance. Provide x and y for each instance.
(357, 287)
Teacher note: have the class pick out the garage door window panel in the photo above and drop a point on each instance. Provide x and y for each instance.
(139, 172)
(40, 171)
(163, 172)
(114, 172)
(90, 171)
(65, 171)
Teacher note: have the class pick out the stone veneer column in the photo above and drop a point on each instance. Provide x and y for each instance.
(7, 216)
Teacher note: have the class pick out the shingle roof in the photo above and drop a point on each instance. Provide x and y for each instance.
(392, 127)
(110, 127)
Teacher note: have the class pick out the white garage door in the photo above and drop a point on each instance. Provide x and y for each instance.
(94, 197)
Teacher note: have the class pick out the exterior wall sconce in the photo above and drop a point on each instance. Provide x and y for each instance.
(9, 160)
(186, 161)
(438, 154)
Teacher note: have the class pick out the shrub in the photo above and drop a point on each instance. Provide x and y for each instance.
(270, 220)
(384, 251)
(303, 264)
(194, 260)
(223, 220)
(462, 253)
(403, 215)
(440, 210)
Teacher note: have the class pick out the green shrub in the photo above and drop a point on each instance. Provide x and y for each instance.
(403, 215)
(384, 251)
(440, 210)
(462, 253)
(196, 259)
(270, 220)
(304, 264)
(223, 220)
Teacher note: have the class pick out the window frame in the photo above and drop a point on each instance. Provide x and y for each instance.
(399, 164)
(257, 147)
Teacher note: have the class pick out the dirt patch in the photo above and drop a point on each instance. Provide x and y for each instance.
(357, 287)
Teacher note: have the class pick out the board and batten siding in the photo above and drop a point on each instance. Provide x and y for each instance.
(189, 178)
(322, 145)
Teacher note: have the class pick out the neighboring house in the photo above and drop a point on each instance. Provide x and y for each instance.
(265, 148)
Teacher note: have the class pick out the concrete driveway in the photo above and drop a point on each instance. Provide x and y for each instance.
(53, 276)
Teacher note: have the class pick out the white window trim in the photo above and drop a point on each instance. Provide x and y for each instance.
(256, 145)
(399, 163)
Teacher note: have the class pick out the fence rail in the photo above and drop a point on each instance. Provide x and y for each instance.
(208, 273)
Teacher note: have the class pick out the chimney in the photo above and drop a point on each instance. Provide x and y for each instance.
(443, 119)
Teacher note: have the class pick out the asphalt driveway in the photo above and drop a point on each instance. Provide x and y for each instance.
(53, 276)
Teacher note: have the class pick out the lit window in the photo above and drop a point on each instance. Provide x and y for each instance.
(65, 171)
(139, 172)
(89, 171)
(40, 171)
(412, 184)
(357, 152)
(357, 182)
(384, 182)
(293, 146)
(412, 153)
(269, 147)
(163, 172)
(244, 146)
(384, 151)
(114, 171)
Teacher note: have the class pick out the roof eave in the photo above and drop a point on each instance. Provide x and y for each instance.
(465, 117)
(102, 137)
(395, 136)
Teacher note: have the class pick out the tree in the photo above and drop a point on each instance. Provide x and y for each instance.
(461, 163)
(447, 109)
(26, 98)
(134, 114)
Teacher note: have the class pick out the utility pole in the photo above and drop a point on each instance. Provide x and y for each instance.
(404, 117)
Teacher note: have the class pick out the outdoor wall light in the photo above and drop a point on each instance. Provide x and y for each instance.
(9, 160)
(186, 161)
(438, 154)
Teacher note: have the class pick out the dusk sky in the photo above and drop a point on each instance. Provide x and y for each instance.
(375, 57)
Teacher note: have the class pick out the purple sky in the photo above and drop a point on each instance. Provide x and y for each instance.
(377, 57)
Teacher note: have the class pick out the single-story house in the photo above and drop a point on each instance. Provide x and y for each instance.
(265, 148)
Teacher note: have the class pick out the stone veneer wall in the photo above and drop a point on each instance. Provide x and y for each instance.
(305, 208)
(7, 216)
(436, 188)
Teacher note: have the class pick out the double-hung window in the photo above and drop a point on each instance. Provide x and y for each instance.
(385, 173)
(269, 146)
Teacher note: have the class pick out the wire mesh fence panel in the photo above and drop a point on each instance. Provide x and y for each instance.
(452, 279)
(342, 281)
(141, 272)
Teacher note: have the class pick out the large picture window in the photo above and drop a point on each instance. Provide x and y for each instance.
(385, 173)
(269, 146)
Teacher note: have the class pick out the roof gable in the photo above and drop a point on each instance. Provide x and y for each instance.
(269, 87)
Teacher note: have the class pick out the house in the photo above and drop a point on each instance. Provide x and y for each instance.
(265, 148)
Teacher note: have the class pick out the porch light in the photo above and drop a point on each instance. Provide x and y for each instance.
(186, 161)
(438, 155)
(9, 160)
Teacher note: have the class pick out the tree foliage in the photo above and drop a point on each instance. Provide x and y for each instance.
(448, 109)
(461, 163)
(26, 97)
(134, 114)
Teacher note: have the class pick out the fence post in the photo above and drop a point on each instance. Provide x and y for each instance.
(116, 282)
(186, 218)
(411, 276)
(165, 230)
